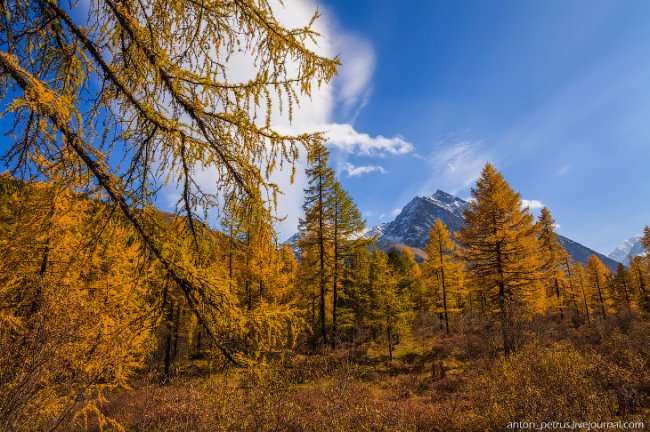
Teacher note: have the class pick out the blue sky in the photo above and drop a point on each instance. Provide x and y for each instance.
(556, 94)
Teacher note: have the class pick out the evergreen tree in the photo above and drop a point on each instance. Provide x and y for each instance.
(582, 288)
(316, 228)
(442, 267)
(346, 225)
(622, 286)
(640, 281)
(597, 275)
(500, 247)
(389, 310)
(553, 255)
(356, 300)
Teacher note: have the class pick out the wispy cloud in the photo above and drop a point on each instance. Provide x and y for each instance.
(563, 170)
(355, 171)
(353, 81)
(532, 204)
(396, 211)
(455, 166)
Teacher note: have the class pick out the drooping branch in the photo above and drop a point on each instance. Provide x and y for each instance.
(43, 101)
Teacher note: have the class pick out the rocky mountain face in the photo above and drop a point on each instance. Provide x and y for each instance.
(630, 247)
(411, 227)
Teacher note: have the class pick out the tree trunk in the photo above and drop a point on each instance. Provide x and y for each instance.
(321, 250)
(444, 288)
(600, 297)
(557, 294)
(584, 297)
(168, 338)
(627, 298)
(177, 324)
(507, 343)
(390, 343)
(335, 276)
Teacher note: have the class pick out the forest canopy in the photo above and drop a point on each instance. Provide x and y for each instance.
(135, 97)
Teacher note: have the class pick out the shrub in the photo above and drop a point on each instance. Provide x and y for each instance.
(541, 383)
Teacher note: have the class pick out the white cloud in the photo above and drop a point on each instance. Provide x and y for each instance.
(557, 226)
(456, 167)
(345, 95)
(396, 211)
(346, 138)
(354, 171)
(315, 113)
(532, 204)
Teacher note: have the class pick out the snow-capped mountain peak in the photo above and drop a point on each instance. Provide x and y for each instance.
(412, 225)
(627, 248)
(449, 202)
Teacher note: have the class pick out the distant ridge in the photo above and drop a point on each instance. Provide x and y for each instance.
(410, 228)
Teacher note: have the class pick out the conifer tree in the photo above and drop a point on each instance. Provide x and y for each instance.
(442, 265)
(597, 274)
(582, 288)
(409, 275)
(645, 240)
(500, 247)
(572, 287)
(140, 95)
(74, 320)
(317, 229)
(356, 299)
(389, 311)
(640, 280)
(346, 225)
(553, 254)
(622, 286)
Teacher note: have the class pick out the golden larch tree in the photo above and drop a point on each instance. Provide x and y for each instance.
(553, 255)
(597, 275)
(500, 248)
(138, 95)
(443, 271)
(316, 228)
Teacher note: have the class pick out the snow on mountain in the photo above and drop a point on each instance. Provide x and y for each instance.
(293, 239)
(629, 247)
(292, 243)
(411, 227)
(377, 230)
(452, 204)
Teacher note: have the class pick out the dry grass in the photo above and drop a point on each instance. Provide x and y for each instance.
(600, 372)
